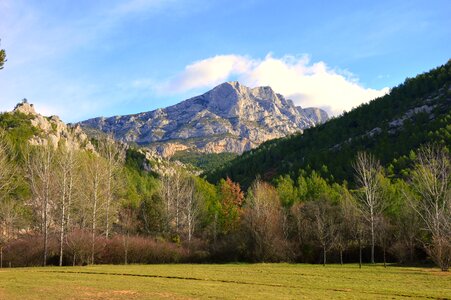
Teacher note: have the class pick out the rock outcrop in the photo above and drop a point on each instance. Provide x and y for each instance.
(229, 118)
(54, 131)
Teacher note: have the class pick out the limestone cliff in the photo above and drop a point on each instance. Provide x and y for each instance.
(54, 131)
(229, 118)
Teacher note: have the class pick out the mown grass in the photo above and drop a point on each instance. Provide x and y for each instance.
(230, 281)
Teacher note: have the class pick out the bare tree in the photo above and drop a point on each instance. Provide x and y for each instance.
(177, 192)
(7, 168)
(8, 208)
(40, 163)
(368, 177)
(263, 220)
(168, 199)
(128, 222)
(300, 225)
(323, 220)
(66, 169)
(95, 191)
(353, 222)
(406, 234)
(431, 183)
(78, 242)
(114, 154)
(191, 208)
(384, 235)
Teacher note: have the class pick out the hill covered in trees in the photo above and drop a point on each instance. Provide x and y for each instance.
(391, 127)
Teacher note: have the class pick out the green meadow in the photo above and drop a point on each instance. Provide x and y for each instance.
(228, 281)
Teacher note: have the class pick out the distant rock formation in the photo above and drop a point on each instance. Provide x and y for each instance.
(53, 130)
(229, 118)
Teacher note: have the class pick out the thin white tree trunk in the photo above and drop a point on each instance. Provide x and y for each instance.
(63, 211)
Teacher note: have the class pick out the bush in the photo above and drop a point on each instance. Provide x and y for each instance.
(27, 251)
(141, 250)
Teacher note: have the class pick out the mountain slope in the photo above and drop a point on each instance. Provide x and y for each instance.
(414, 113)
(229, 118)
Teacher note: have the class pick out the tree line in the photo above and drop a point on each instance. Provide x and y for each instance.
(65, 206)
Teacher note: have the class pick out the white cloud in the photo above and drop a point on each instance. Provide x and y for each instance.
(207, 72)
(296, 77)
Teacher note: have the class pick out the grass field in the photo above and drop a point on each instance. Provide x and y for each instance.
(230, 281)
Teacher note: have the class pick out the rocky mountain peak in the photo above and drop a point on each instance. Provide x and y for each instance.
(229, 118)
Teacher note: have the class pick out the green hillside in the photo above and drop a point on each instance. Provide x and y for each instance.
(204, 161)
(422, 104)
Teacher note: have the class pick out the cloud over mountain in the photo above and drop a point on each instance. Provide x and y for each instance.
(296, 77)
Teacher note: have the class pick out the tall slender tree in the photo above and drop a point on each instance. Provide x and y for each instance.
(96, 179)
(431, 182)
(368, 174)
(263, 222)
(41, 174)
(114, 154)
(66, 169)
(8, 207)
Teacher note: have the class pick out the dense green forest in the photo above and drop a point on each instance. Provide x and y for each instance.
(423, 103)
(334, 194)
(204, 161)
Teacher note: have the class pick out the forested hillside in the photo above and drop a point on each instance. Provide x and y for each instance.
(414, 113)
(204, 161)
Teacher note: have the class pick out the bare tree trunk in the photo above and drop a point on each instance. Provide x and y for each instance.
(324, 255)
(110, 175)
(126, 237)
(368, 176)
(177, 206)
(94, 218)
(191, 208)
(63, 211)
(94, 212)
(114, 154)
(166, 192)
(69, 198)
(341, 256)
(40, 167)
(46, 203)
(372, 237)
(214, 227)
(189, 229)
(360, 253)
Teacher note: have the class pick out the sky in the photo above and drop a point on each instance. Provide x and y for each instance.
(83, 59)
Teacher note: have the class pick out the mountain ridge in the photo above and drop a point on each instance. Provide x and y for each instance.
(229, 118)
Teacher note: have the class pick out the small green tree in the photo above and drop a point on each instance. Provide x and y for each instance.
(287, 190)
(2, 58)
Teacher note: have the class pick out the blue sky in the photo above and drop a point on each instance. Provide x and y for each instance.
(82, 59)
